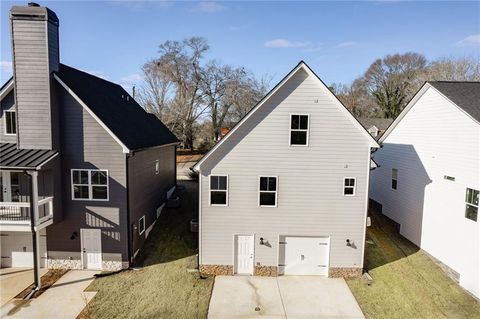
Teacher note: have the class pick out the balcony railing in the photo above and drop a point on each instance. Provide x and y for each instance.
(20, 211)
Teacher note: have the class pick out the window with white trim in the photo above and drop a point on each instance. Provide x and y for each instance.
(299, 129)
(157, 167)
(349, 186)
(10, 123)
(267, 196)
(218, 190)
(394, 178)
(141, 225)
(471, 203)
(89, 184)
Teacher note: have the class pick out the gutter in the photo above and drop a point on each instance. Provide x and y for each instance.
(129, 231)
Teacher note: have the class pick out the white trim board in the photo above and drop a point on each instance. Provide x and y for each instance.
(7, 89)
(302, 65)
(125, 149)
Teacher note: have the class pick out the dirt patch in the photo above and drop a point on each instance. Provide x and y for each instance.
(47, 281)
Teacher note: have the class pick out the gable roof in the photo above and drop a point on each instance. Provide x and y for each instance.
(464, 95)
(122, 116)
(306, 68)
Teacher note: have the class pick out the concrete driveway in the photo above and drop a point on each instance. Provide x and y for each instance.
(14, 280)
(282, 297)
(65, 299)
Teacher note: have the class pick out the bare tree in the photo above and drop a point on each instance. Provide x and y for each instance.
(393, 80)
(453, 69)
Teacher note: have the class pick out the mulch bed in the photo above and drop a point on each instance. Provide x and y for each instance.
(47, 281)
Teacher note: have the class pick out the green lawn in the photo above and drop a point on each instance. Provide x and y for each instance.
(162, 287)
(406, 282)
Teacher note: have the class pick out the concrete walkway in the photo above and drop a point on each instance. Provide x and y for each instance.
(65, 299)
(14, 280)
(282, 297)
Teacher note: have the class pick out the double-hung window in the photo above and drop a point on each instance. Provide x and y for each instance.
(10, 123)
(394, 178)
(299, 129)
(89, 184)
(471, 202)
(218, 190)
(349, 186)
(268, 191)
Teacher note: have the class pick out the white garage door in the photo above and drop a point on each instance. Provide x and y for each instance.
(306, 255)
(17, 251)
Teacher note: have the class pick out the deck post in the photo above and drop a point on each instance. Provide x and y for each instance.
(33, 220)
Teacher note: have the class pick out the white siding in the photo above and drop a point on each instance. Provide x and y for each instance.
(310, 179)
(434, 139)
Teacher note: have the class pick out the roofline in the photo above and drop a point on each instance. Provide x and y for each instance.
(6, 87)
(154, 146)
(303, 65)
(125, 149)
(413, 101)
(30, 168)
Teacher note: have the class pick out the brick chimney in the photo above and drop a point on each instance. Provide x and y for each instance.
(35, 58)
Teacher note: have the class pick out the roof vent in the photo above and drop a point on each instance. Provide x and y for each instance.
(33, 4)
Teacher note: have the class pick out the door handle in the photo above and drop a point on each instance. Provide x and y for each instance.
(84, 251)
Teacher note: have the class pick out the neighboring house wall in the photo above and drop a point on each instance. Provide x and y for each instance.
(86, 144)
(434, 139)
(310, 179)
(147, 189)
(7, 103)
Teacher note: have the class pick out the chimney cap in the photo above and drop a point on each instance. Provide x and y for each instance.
(33, 12)
(33, 4)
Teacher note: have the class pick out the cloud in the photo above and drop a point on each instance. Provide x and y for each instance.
(471, 40)
(314, 49)
(209, 7)
(284, 43)
(6, 66)
(347, 44)
(132, 78)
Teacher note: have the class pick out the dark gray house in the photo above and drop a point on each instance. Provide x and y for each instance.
(83, 167)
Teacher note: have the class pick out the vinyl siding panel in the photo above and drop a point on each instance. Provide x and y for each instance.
(310, 179)
(86, 145)
(434, 139)
(35, 49)
(147, 190)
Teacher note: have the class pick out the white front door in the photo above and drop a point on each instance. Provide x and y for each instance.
(244, 254)
(10, 184)
(91, 248)
(306, 255)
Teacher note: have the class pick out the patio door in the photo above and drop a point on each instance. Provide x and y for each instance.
(91, 240)
(10, 186)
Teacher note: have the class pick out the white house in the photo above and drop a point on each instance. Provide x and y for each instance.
(286, 190)
(429, 176)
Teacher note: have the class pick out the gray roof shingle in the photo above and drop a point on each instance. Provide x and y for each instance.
(135, 128)
(465, 95)
(14, 158)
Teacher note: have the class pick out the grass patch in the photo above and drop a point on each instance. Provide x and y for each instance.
(406, 282)
(47, 280)
(162, 287)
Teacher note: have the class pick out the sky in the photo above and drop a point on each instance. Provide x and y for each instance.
(338, 40)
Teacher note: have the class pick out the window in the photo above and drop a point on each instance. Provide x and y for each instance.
(349, 186)
(299, 130)
(157, 167)
(218, 190)
(89, 184)
(471, 200)
(394, 178)
(268, 191)
(10, 123)
(141, 225)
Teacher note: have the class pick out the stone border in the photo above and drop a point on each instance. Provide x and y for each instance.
(266, 271)
(64, 263)
(217, 270)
